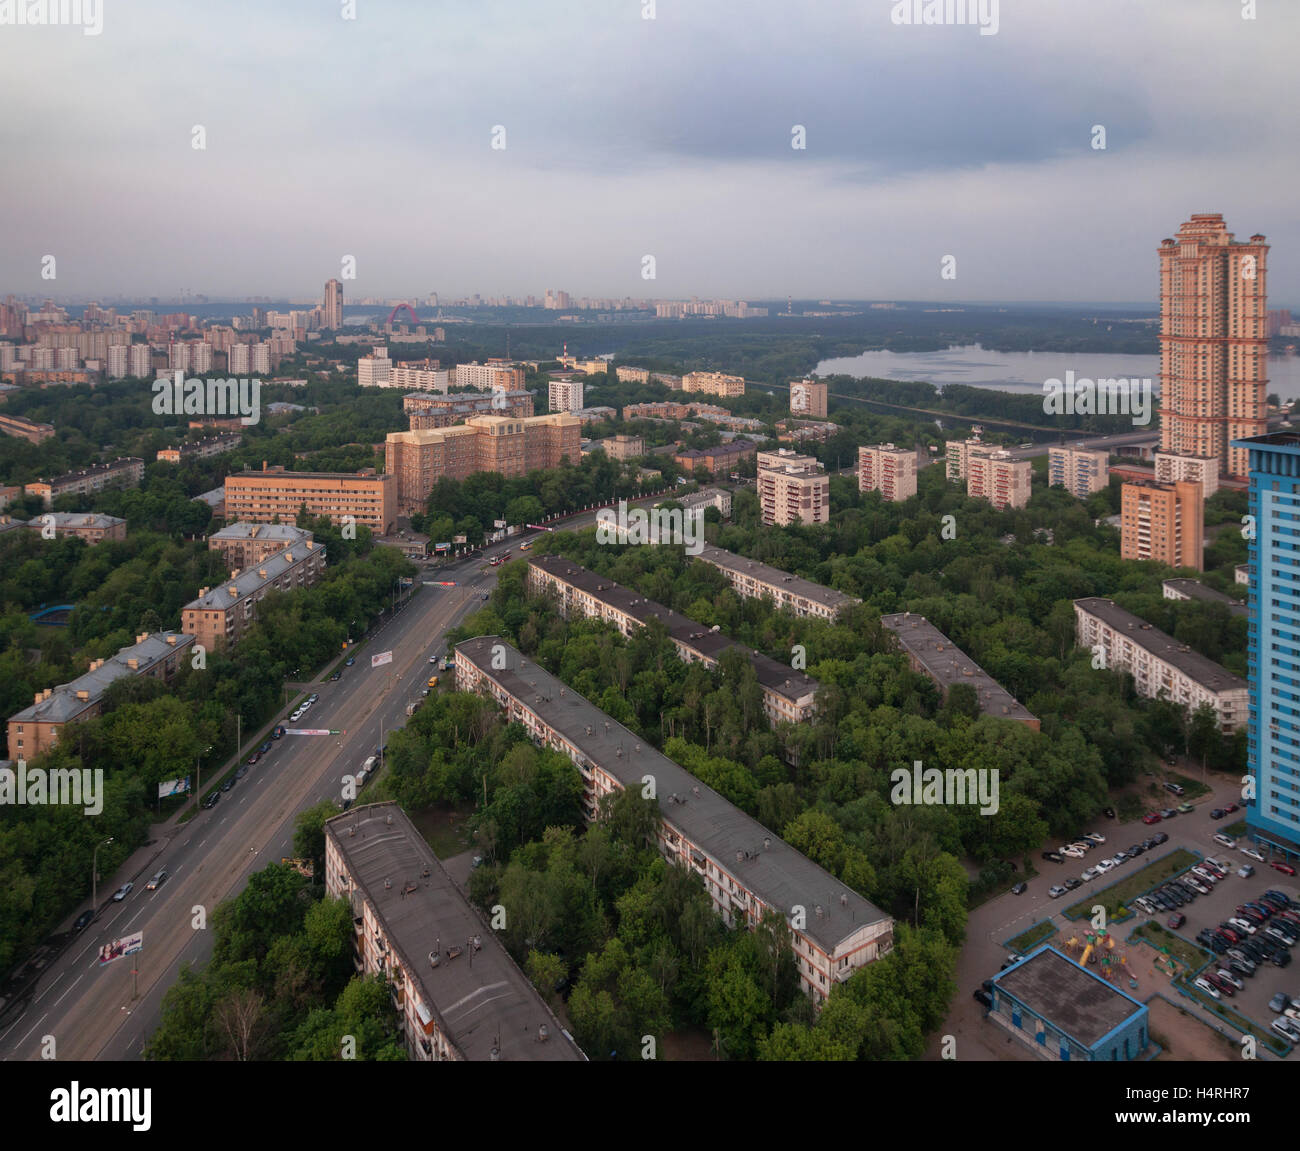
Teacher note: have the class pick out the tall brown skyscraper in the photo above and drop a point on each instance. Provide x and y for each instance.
(332, 312)
(1213, 342)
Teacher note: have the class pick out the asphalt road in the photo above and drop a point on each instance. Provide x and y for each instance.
(107, 1012)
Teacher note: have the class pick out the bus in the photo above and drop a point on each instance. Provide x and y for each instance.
(523, 547)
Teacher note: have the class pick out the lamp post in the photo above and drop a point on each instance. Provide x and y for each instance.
(198, 778)
(94, 874)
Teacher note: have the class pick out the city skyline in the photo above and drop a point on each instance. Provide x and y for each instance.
(920, 143)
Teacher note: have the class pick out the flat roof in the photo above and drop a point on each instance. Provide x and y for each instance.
(1198, 668)
(778, 874)
(246, 531)
(76, 520)
(1070, 997)
(482, 999)
(1194, 589)
(947, 664)
(773, 676)
(119, 464)
(63, 704)
(285, 474)
(730, 561)
(250, 579)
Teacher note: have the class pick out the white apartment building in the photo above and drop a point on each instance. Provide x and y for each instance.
(1174, 467)
(565, 395)
(793, 489)
(714, 383)
(375, 370)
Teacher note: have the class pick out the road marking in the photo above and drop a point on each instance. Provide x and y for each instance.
(34, 1027)
(44, 993)
(202, 842)
(64, 996)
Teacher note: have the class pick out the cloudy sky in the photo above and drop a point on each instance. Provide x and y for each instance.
(626, 137)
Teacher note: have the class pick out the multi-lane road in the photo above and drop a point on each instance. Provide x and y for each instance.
(108, 1012)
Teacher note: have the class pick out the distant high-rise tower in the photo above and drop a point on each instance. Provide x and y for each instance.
(1213, 342)
(332, 312)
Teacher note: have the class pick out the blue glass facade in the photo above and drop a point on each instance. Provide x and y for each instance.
(1273, 647)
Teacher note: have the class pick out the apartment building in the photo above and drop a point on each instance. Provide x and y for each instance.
(91, 527)
(792, 489)
(629, 375)
(420, 377)
(494, 376)
(245, 545)
(794, 431)
(458, 994)
(718, 498)
(667, 410)
(713, 383)
(332, 309)
(1163, 522)
(723, 458)
(1080, 471)
(753, 580)
(808, 399)
(509, 445)
(1161, 667)
(374, 370)
(27, 430)
(38, 727)
(933, 654)
(123, 472)
(746, 869)
(622, 447)
(221, 615)
(1213, 341)
(1191, 589)
(273, 493)
(889, 470)
(789, 696)
(425, 412)
(200, 449)
(564, 395)
(1173, 468)
(1272, 577)
(995, 476)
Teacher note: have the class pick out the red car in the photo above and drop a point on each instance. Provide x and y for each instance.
(1230, 808)
(1284, 868)
(1151, 817)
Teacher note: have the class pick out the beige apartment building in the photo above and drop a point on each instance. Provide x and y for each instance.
(889, 470)
(808, 399)
(1081, 471)
(1161, 667)
(275, 494)
(1163, 522)
(244, 545)
(457, 993)
(123, 472)
(622, 447)
(432, 411)
(713, 383)
(199, 449)
(38, 727)
(753, 580)
(792, 489)
(220, 615)
(995, 476)
(494, 376)
(1213, 342)
(747, 869)
(630, 375)
(25, 429)
(505, 444)
(88, 526)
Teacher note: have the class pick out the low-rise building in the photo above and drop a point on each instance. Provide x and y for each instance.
(723, 458)
(425, 412)
(200, 449)
(622, 447)
(753, 580)
(789, 696)
(38, 727)
(25, 429)
(88, 526)
(458, 993)
(1175, 467)
(714, 383)
(123, 472)
(746, 869)
(245, 545)
(1194, 589)
(220, 615)
(932, 653)
(1161, 667)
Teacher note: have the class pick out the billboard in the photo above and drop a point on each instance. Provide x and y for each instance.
(443, 547)
(311, 731)
(173, 787)
(127, 945)
(498, 523)
(381, 658)
(460, 539)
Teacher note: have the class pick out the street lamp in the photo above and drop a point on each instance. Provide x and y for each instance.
(198, 779)
(94, 874)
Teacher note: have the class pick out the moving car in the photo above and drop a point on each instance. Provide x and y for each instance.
(1245, 871)
(335, 676)
(349, 661)
(433, 681)
(158, 878)
(212, 800)
(83, 920)
(122, 892)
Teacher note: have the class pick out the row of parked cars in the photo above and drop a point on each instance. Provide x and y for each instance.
(1288, 1010)
(1080, 849)
(1199, 880)
(303, 708)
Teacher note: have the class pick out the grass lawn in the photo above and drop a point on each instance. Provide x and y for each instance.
(1130, 807)
(1120, 894)
(1235, 830)
(1026, 941)
(1188, 954)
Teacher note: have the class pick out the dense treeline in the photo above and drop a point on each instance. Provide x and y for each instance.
(280, 984)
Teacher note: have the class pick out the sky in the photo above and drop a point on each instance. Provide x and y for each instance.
(626, 137)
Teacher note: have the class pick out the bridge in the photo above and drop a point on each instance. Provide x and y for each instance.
(393, 314)
(56, 616)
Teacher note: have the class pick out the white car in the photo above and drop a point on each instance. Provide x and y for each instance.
(1286, 1029)
(1105, 865)
(1092, 835)
(1252, 853)
(1071, 852)
(1242, 925)
(1205, 876)
(1116, 860)
(1196, 885)
(1056, 892)
(1228, 977)
(1091, 873)
(1145, 904)
(122, 892)
(1209, 989)
(1083, 845)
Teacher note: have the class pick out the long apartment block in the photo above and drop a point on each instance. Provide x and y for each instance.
(221, 615)
(123, 472)
(243, 545)
(753, 580)
(433, 411)
(1158, 663)
(458, 994)
(273, 493)
(36, 728)
(746, 869)
(789, 696)
(932, 653)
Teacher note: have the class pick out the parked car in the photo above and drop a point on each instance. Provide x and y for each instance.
(1145, 904)
(1011, 959)
(1217, 813)
(1094, 837)
(983, 998)
(1185, 808)
(253, 759)
(1019, 889)
(334, 676)
(278, 732)
(1160, 837)
(156, 880)
(1286, 1029)
(1224, 840)
(312, 698)
(1108, 812)
(1056, 891)
(1280, 1002)
(1151, 817)
(1242, 924)
(1245, 871)
(1090, 874)
(1174, 788)
(350, 661)
(1284, 868)
(228, 784)
(1177, 920)
(212, 800)
(1229, 808)
(1083, 844)
(1053, 856)
(1168, 812)
(241, 771)
(1104, 865)
(1255, 855)
(1240, 969)
(1136, 850)
(1205, 985)
(122, 892)
(266, 746)
(1072, 852)
(1071, 883)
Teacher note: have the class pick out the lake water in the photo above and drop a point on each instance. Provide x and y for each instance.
(1025, 371)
